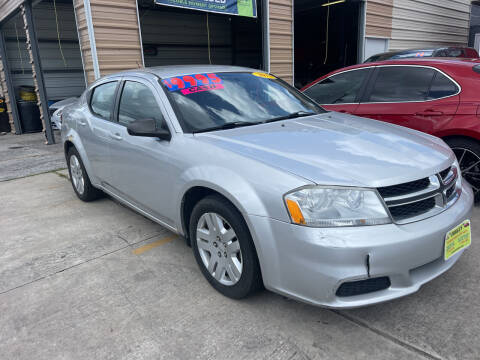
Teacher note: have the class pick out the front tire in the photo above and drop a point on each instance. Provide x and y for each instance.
(79, 178)
(223, 248)
(467, 152)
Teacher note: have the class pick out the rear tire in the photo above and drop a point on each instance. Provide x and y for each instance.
(467, 152)
(79, 178)
(223, 248)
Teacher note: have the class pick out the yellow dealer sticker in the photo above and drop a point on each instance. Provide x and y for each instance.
(264, 75)
(457, 239)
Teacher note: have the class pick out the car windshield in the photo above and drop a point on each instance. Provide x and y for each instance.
(212, 101)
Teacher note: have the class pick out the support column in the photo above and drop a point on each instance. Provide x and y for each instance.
(10, 97)
(37, 74)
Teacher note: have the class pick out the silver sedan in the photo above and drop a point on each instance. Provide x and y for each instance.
(267, 187)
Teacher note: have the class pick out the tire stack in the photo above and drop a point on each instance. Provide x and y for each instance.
(28, 110)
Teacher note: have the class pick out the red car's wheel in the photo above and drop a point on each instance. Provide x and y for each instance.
(467, 152)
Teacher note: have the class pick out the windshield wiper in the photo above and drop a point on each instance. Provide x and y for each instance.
(226, 126)
(291, 116)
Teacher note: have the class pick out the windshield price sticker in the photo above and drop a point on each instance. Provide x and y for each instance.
(190, 84)
(195, 89)
(264, 75)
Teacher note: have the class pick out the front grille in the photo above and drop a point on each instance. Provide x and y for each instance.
(361, 287)
(418, 199)
(413, 209)
(405, 188)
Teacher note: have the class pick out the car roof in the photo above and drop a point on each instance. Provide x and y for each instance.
(409, 51)
(441, 63)
(418, 61)
(179, 70)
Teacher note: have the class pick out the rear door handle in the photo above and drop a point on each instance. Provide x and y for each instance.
(83, 123)
(343, 111)
(429, 113)
(116, 136)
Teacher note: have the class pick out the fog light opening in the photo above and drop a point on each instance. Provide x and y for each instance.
(353, 288)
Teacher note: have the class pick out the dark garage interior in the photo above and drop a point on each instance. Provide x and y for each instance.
(317, 54)
(180, 36)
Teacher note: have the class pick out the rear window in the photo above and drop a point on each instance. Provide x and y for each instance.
(102, 100)
(442, 87)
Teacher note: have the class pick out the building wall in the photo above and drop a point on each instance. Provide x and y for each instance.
(281, 38)
(378, 22)
(84, 40)
(7, 7)
(116, 33)
(426, 23)
(4, 94)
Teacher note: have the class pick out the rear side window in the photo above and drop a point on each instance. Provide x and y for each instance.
(103, 97)
(401, 84)
(338, 89)
(442, 87)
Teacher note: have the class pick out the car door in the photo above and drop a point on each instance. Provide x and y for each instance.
(94, 127)
(340, 92)
(418, 97)
(142, 169)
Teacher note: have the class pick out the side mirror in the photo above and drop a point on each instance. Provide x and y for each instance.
(147, 128)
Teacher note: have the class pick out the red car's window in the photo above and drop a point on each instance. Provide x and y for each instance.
(338, 89)
(442, 87)
(402, 84)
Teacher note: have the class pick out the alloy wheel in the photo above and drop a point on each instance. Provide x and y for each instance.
(470, 166)
(77, 174)
(219, 249)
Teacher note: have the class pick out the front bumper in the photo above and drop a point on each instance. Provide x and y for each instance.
(309, 264)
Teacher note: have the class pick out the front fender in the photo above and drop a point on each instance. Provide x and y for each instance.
(224, 181)
(240, 192)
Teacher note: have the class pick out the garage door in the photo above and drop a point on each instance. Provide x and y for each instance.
(62, 66)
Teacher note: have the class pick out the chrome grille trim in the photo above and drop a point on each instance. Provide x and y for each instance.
(439, 188)
(431, 190)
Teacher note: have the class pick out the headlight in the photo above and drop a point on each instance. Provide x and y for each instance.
(329, 207)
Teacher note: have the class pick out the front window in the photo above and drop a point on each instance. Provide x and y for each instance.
(341, 88)
(138, 103)
(211, 101)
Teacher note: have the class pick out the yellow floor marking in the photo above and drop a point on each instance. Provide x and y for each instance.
(152, 245)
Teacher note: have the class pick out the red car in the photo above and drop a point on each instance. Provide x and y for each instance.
(437, 96)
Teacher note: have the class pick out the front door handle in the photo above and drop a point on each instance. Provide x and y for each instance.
(83, 123)
(116, 136)
(429, 113)
(343, 111)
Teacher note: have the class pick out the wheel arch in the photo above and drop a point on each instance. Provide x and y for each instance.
(196, 193)
(73, 141)
(461, 137)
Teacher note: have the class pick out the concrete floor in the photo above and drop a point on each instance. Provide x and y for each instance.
(98, 281)
(24, 155)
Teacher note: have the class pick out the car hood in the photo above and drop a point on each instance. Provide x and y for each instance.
(338, 149)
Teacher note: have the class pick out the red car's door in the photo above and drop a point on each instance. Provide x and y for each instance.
(417, 97)
(340, 92)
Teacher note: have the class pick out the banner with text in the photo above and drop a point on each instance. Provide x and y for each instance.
(232, 7)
